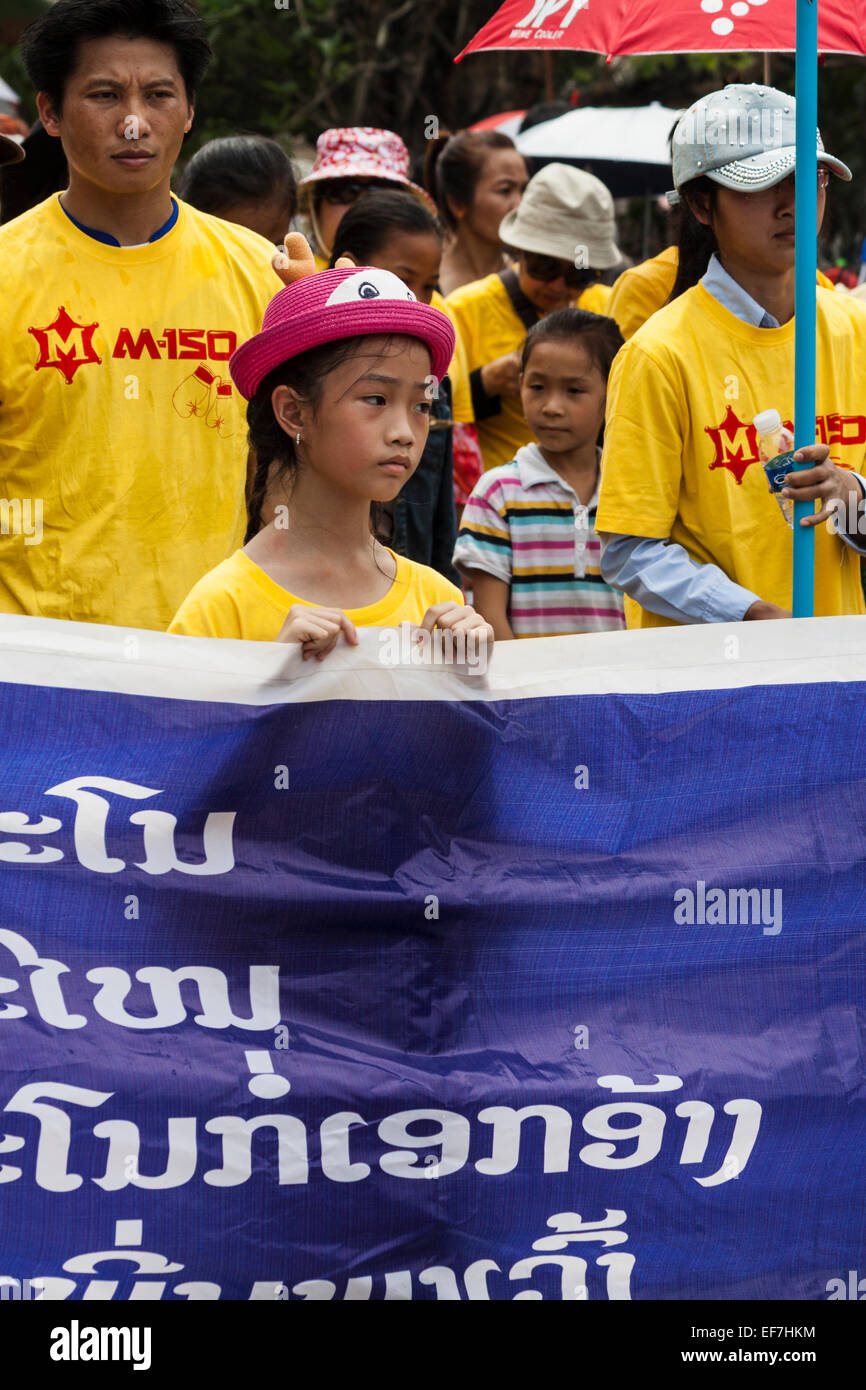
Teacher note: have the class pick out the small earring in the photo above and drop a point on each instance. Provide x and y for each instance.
(298, 437)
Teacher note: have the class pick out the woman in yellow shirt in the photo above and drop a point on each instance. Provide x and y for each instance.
(692, 533)
(339, 383)
(564, 233)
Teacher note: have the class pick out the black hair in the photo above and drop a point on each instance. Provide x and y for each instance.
(453, 166)
(374, 217)
(695, 241)
(600, 336)
(42, 172)
(268, 440)
(543, 111)
(50, 46)
(238, 169)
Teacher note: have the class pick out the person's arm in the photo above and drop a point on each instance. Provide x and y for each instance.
(489, 383)
(839, 490)
(663, 578)
(483, 549)
(490, 597)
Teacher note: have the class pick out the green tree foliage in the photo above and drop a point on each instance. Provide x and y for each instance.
(293, 67)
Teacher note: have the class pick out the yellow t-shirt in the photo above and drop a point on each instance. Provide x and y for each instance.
(238, 599)
(642, 289)
(680, 451)
(117, 411)
(489, 327)
(458, 372)
(596, 299)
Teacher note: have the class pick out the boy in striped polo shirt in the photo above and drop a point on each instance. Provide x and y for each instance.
(527, 542)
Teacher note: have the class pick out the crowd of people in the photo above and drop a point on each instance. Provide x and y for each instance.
(450, 416)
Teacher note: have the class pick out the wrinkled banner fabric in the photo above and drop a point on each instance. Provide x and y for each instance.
(374, 982)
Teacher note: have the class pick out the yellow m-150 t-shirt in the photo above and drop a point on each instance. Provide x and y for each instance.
(117, 412)
(681, 452)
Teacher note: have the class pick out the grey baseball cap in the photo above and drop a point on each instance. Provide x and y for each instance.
(743, 137)
(566, 213)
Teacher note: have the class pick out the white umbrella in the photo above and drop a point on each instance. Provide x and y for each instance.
(631, 134)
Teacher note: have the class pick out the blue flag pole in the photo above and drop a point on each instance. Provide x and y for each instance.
(806, 213)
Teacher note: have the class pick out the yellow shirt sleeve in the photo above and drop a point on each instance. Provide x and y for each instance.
(461, 399)
(595, 299)
(489, 328)
(215, 607)
(641, 290)
(641, 470)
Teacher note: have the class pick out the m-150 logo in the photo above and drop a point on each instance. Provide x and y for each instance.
(68, 345)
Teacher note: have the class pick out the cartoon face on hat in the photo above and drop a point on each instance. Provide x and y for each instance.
(369, 284)
(334, 304)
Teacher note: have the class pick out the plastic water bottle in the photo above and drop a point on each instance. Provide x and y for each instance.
(776, 451)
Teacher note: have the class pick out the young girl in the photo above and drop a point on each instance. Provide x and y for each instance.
(691, 532)
(339, 385)
(397, 233)
(527, 540)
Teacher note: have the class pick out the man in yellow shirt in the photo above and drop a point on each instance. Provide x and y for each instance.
(119, 424)
(564, 233)
(692, 532)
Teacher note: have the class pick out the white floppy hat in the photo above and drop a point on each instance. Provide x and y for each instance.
(565, 213)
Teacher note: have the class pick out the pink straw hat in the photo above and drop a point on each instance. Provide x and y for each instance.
(361, 152)
(339, 304)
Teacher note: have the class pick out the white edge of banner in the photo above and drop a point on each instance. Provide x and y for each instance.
(721, 656)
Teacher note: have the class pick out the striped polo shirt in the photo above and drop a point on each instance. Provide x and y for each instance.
(526, 526)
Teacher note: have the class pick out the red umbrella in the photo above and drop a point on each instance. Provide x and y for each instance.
(617, 27)
(509, 121)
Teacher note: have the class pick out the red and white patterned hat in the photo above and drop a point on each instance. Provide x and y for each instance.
(337, 304)
(362, 152)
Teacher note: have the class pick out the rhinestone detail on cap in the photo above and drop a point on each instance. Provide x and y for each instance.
(745, 175)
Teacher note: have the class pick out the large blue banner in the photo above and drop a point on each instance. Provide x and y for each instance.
(355, 988)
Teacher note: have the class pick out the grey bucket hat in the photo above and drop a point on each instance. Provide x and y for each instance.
(743, 137)
(565, 213)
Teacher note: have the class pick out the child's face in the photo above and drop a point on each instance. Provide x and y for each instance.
(563, 396)
(368, 432)
(414, 257)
